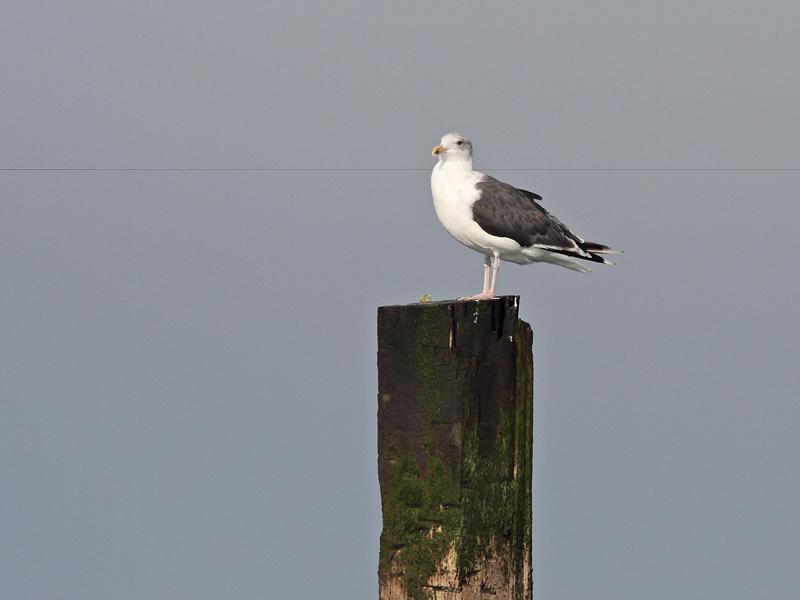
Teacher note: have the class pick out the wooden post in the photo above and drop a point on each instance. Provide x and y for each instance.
(455, 449)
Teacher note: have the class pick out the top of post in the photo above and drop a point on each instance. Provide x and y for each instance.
(507, 301)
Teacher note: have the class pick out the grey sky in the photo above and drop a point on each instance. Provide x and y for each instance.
(187, 368)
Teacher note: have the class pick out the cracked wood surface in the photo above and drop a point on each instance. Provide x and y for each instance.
(455, 449)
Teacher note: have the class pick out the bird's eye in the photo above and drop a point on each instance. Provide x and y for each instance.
(460, 142)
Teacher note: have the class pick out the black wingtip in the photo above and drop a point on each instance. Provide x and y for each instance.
(599, 248)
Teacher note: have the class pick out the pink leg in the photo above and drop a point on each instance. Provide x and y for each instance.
(489, 274)
(495, 271)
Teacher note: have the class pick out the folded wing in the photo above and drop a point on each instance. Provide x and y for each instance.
(505, 211)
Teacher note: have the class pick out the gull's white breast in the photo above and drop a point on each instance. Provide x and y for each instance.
(454, 193)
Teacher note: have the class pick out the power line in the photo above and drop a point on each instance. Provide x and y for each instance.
(381, 169)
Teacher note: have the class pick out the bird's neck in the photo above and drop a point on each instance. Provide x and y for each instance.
(455, 164)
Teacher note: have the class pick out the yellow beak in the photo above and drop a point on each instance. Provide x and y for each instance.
(438, 150)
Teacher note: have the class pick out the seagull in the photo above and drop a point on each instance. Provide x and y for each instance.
(500, 221)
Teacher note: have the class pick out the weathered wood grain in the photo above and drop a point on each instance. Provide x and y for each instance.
(455, 448)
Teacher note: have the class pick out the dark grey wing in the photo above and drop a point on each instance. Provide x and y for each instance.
(506, 211)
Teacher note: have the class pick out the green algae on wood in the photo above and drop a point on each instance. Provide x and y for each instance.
(455, 442)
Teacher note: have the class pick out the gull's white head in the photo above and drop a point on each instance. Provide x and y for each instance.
(453, 147)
